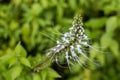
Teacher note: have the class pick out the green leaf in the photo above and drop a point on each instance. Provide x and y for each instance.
(44, 75)
(36, 77)
(26, 30)
(5, 58)
(25, 61)
(111, 24)
(101, 58)
(20, 51)
(13, 25)
(72, 4)
(59, 12)
(16, 71)
(96, 23)
(105, 41)
(44, 3)
(114, 47)
(12, 61)
(93, 52)
(119, 22)
(36, 9)
(53, 73)
(6, 75)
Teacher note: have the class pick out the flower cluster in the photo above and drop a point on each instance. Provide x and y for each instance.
(71, 44)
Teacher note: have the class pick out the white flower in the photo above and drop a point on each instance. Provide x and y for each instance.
(65, 39)
(85, 44)
(78, 48)
(72, 43)
(85, 37)
(58, 42)
(67, 34)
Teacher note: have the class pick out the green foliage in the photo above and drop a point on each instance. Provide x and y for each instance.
(28, 28)
(16, 66)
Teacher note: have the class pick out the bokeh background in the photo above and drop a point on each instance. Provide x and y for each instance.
(37, 24)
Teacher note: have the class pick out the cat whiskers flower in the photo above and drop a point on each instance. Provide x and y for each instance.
(71, 46)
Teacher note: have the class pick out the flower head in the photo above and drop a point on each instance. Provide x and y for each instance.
(72, 43)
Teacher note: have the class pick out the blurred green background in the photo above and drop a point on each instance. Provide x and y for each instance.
(37, 24)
